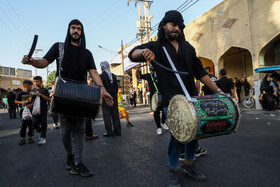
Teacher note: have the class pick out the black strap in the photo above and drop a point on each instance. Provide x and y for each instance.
(168, 69)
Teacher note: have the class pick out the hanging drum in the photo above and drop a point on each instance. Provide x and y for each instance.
(75, 99)
(208, 116)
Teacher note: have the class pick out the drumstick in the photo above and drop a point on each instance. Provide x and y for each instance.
(33, 46)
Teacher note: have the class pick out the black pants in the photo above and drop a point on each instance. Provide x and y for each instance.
(55, 118)
(24, 125)
(111, 115)
(40, 120)
(12, 111)
(238, 91)
(157, 116)
(88, 130)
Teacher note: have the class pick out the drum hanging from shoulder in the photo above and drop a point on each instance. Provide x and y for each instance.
(75, 99)
(156, 101)
(208, 116)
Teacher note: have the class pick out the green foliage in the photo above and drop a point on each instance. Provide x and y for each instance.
(51, 78)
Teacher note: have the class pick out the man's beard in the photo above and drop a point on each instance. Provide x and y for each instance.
(169, 35)
(75, 39)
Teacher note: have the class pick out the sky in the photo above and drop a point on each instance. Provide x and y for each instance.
(106, 23)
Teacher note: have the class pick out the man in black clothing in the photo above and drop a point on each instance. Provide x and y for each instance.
(110, 113)
(226, 84)
(246, 85)
(171, 36)
(152, 81)
(205, 89)
(238, 85)
(77, 61)
(11, 96)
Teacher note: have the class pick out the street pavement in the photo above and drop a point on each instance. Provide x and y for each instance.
(249, 157)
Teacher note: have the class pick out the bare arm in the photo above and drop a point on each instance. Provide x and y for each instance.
(97, 80)
(209, 83)
(40, 63)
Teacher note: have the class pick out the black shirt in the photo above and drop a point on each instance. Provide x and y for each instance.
(11, 96)
(72, 69)
(44, 103)
(112, 88)
(22, 96)
(225, 84)
(184, 60)
(205, 89)
(238, 84)
(148, 78)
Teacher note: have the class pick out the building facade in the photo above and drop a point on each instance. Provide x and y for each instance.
(238, 35)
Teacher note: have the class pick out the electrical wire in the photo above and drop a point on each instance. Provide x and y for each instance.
(19, 18)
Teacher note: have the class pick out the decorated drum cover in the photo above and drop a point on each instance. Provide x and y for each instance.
(208, 116)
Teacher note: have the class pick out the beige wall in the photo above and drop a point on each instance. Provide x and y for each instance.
(257, 25)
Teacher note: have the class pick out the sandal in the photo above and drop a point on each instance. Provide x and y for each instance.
(30, 141)
(22, 142)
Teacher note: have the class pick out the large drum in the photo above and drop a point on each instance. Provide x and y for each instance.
(208, 116)
(75, 99)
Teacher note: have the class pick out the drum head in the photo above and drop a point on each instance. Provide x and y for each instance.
(182, 119)
(154, 102)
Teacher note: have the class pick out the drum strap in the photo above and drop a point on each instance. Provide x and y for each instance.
(178, 76)
(60, 58)
(154, 83)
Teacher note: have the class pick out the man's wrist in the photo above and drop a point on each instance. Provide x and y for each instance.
(217, 91)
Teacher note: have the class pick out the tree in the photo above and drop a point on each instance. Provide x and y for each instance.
(51, 78)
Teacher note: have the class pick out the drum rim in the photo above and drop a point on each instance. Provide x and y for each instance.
(192, 133)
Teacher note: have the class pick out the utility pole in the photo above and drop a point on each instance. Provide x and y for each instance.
(144, 27)
(36, 51)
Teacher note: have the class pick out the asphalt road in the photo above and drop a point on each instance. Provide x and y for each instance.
(249, 157)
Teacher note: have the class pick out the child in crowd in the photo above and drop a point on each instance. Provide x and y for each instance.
(122, 110)
(23, 100)
(42, 117)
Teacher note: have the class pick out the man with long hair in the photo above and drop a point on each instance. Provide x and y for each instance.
(77, 61)
(171, 36)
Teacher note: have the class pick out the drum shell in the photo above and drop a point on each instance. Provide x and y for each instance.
(75, 99)
(211, 116)
(156, 101)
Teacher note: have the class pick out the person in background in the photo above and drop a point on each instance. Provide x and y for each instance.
(110, 113)
(226, 84)
(39, 122)
(124, 113)
(246, 85)
(237, 85)
(23, 100)
(11, 96)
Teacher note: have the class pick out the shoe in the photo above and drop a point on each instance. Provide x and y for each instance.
(70, 162)
(173, 178)
(159, 132)
(30, 141)
(192, 171)
(91, 137)
(22, 142)
(107, 135)
(182, 157)
(164, 126)
(200, 151)
(80, 169)
(129, 124)
(42, 141)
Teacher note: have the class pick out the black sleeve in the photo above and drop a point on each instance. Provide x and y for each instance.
(53, 53)
(145, 76)
(46, 93)
(91, 64)
(150, 45)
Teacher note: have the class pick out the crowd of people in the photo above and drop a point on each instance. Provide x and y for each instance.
(77, 62)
